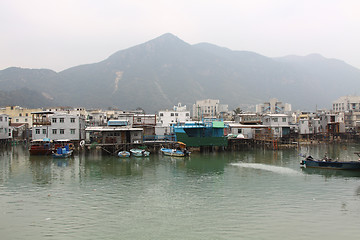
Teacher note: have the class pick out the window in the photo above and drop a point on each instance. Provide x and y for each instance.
(275, 119)
(239, 130)
(283, 119)
(187, 114)
(161, 114)
(54, 120)
(172, 114)
(176, 114)
(62, 131)
(54, 131)
(72, 131)
(26, 119)
(26, 114)
(72, 120)
(17, 120)
(0, 119)
(61, 120)
(37, 131)
(20, 115)
(138, 120)
(44, 131)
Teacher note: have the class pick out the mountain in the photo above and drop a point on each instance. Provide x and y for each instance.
(166, 70)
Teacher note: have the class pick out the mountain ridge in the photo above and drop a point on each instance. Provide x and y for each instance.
(166, 70)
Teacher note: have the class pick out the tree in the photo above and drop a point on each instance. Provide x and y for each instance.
(237, 111)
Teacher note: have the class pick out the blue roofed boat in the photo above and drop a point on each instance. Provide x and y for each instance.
(63, 152)
(328, 163)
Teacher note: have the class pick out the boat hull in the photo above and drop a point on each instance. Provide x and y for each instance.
(139, 153)
(124, 154)
(351, 165)
(173, 152)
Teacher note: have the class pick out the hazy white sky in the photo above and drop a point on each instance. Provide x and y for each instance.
(58, 34)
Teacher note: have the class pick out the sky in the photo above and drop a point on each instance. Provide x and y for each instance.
(59, 34)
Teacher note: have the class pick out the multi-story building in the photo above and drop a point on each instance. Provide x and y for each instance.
(273, 106)
(5, 132)
(57, 126)
(347, 103)
(209, 108)
(332, 122)
(19, 114)
(170, 117)
(279, 124)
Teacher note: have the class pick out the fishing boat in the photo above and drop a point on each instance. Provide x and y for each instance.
(41, 147)
(174, 152)
(139, 152)
(179, 150)
(328, 163)
(123, 154)
(63, 152)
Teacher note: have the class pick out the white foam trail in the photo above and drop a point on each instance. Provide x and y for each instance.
(270, 168)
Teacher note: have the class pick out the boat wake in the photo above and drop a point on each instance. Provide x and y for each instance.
(270, 168)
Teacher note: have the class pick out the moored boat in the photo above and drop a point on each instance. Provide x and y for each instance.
(139, 152)
(41, 147)
(62, 152)
(327, 163)
(174, 152)
(123, 154)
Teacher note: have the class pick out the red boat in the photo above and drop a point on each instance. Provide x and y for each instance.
(41, 147)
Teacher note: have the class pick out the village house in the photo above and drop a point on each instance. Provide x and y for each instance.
(332, 123)
(19, 114)
(278, 123)
(56, 126)
(350, 106)
(5, 131)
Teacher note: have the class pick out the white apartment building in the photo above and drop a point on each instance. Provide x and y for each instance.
(5, 132)
(347, 103)
(273, 106)
(19, 114)
(59, 126)
(170, 117)
(209, 108)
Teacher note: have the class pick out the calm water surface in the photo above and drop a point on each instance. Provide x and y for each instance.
(253, 194)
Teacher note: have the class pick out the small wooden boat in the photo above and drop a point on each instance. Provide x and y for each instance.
(124, 154)
(327, 163)
(139, 152)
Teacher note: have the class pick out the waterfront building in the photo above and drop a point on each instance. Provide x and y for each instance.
(96, 117)
(113, 135)
(278, 123)
(5, 131)
(273, 107)
(57, 126)
(145, 121)
(309, 123)
(209, 108)
(332, 123)
(19, 114)
(248, 118)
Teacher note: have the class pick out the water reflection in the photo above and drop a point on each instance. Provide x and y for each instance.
(328, 173)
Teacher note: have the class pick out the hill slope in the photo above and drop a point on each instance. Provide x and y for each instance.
(159, 73)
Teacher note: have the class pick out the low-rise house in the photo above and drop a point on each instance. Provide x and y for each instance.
(19, 114)
(145, 121)
(113, 135)
(57, 126)
(279, 124)
(332, 123)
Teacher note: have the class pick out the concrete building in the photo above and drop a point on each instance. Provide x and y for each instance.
(5, 132)
(176, 115)
(279, 124)
(273, 106)
(19, 114)
(209, 108)
(347, 103)
(58, 126)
